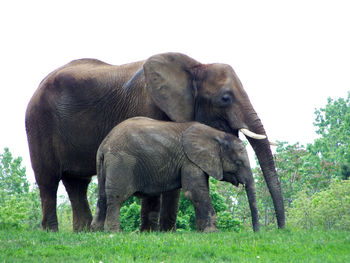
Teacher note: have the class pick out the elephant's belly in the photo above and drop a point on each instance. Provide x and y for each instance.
(79, 163)
(157, 184)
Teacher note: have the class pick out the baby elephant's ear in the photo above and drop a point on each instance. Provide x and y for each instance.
(202, 148)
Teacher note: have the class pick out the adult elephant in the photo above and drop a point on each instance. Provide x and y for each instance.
(78, 104)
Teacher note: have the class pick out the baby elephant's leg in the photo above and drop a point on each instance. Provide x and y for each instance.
(195, 187)
(119, 187)
(114, 204)
(115, 200)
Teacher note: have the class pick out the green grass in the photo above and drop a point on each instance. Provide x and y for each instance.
(265, 246)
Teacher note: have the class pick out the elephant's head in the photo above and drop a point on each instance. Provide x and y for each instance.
(211, 94)
(219, 154)
(222, 156)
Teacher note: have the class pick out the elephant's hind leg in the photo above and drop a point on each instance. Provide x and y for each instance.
(77, 192)
(115, 198)
(48, 196)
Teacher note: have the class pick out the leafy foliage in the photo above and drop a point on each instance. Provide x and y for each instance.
(327, 209)
(226, 222)
(130, 216)
(12, 175)
(305, 171)
(64, 214)
(333, 125)
(19, 207)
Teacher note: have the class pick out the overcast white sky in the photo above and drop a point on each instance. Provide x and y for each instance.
(289, 55)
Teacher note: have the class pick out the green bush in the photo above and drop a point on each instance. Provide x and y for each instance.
(19, 206)
(227, 223)
(130, 217)
(20, 211)
(327, 209)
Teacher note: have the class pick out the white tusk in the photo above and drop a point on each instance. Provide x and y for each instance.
(273, 143)
(251, 134)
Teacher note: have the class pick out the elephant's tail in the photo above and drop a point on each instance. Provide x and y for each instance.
(101, 208)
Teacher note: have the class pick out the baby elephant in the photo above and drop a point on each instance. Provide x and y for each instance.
(146, 157)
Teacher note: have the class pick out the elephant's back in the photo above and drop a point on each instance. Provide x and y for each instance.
(145, 134)
(78, 74)
(139, 126)
(78, 84)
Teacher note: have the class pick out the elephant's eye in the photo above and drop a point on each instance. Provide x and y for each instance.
(225, 100)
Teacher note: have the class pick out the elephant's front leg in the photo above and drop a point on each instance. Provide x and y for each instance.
(195, 187)
(150, 206)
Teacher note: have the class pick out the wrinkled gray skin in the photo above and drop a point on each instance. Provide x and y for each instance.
(147, 157)
(76, 106)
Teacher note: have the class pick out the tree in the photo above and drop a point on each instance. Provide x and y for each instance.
(312, 168)
(19, 206)
(333, 125)
(327, 209)
(12, 175)
(299, 169)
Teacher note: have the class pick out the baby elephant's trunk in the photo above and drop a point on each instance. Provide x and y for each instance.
(251, 194)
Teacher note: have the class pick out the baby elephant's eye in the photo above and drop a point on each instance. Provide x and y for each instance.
(239, 163)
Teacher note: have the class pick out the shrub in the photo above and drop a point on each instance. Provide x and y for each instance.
(227, 223)
(130, 217)
(327, 209)
(20, 211)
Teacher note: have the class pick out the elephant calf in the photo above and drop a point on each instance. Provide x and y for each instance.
(147, 157)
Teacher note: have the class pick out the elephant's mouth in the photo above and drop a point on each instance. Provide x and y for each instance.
(246, 132)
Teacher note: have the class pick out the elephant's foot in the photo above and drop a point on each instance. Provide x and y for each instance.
(97, 225)
(151, 223)
(113, 227)
(49, 222)
(208, 224)
(51, 228)
(210, 229)
(167, 222)
(167, 225)
(83, 224)
(150, 207)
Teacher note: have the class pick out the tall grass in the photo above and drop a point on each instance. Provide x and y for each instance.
(266, 246)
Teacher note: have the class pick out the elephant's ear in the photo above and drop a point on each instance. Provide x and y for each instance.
(202, 147)
(170, 84)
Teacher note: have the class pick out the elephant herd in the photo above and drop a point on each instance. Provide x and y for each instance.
(146, 128)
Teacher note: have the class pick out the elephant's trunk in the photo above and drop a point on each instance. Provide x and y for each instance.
(263, 151)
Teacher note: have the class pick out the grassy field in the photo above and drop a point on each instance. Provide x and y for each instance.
(265, 246)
